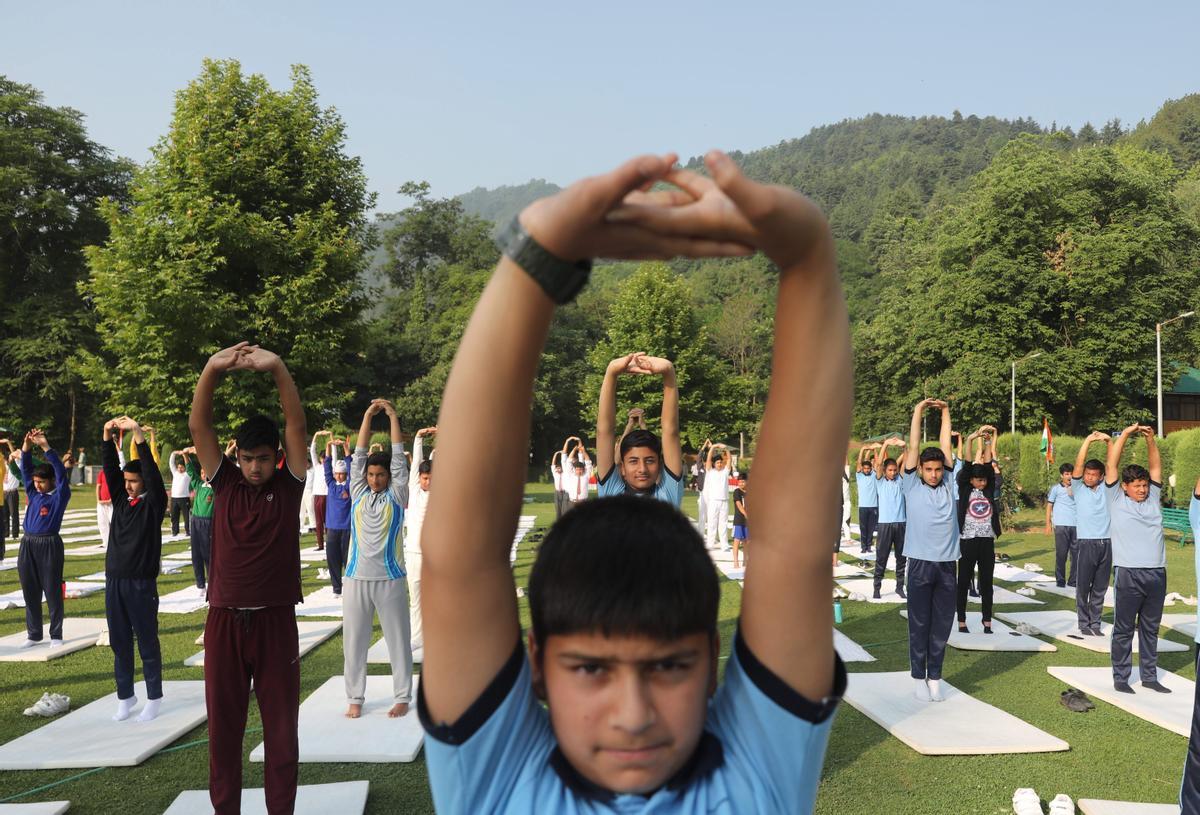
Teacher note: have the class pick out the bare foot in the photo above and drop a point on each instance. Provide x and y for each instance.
(354, 711)
(398, 710)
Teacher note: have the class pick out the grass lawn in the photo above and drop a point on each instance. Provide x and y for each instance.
(1112, 755)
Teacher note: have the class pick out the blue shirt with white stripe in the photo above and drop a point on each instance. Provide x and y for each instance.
(932, 531)
(669, 487)
(1091, 510)
(891, 501)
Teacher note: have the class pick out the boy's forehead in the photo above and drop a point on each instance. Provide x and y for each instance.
(629, 648)
(256, 452)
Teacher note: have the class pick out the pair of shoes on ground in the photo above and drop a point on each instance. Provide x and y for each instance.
(962, 628)
(1025, 591)
(1076, 701)
(50, 705)
(1123, 687)
(1091, 632)
(1026, 802)
(1028, 630)
(31, 643)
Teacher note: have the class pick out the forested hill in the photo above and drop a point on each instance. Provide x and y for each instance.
(500, 204)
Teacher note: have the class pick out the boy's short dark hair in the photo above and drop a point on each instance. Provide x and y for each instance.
(1094, 464)
(641, 438)
(889, 463)
(743, 475)
(623, 566)
(44, 471)
(425, 466)
(933, 454)
(380, 459)
(981, 471)
(257, 431)
(1066, 468)
(133, 467)
(1134, 472)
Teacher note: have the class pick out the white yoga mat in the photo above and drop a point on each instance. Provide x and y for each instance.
(184, 601)
(77, 589)
(1013, 574)
(320, 603)
(170, 566)
(13, 599)
(378, 654)
(849, 650)
(326, 735)
(1069, 592)
(78, 633)
(1002, 637)
(9, 563)
(848, 571)
(1183, 623)
(43, 808)
(1093, 806)
(1064, 625)
(94, 577)
(312, 554)
(959, 726)
(344, 798)
(869, 557)
(1171, 711)
(887, 593)
(88, 737)
(86, 551)
(312, 634)
(185, 556)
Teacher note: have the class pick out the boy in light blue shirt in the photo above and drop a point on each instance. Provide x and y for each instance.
(891, 515)
(868, 497)
(931, 542)
(648, 466)
(1140, 557)
(1060, 519)
(623, 597)
(1094, 546)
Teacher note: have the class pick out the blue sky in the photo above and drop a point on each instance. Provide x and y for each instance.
(468, 94)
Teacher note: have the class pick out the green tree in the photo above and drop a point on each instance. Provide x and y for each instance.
(249, 222)
(52, 177)
(653, 313)
(1072, 252)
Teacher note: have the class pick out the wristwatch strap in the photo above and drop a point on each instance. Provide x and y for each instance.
(562, 280)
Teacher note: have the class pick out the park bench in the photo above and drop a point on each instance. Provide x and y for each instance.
(1177, 519)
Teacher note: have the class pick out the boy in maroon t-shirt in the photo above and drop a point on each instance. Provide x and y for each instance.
(254, 583)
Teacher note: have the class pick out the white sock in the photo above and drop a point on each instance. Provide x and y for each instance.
(124, 708)
(922, 691)
(150, 711)
(30, 643)
(935, 690)
(56, 643)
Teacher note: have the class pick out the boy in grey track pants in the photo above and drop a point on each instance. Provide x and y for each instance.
(375, 577)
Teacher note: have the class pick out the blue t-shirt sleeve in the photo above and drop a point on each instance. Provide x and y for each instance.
(774, 739)
(611, 484)
(480, 762)
(1053, 496)
(670, 488)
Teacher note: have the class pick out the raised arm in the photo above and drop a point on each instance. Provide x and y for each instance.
(418, 455)
(399, 464)
(946, 432)
(1081, 456)
(200, 422)
(1115, 451)
(468, 597)
(913, 451)
(672, 449)
(606, 413)
(312, 448)
(151, 475)
(1153, 458)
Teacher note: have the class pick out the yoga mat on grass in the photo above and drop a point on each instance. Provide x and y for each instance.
(343, 798)
(320, 603)
(1014, 574)
(1170, 711)
(78, 633)
(849, 650)
(312, 633)
(326, 735)
(184, 601)
(1069, 592)
(1183, 623)
(1064, 626)
(77, 589)
(1002, 637)
(43, 808)
(960, 726)
(378, 654)
(1093, 806)
(887, 593)
(88, 737)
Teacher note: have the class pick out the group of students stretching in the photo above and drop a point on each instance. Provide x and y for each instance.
(610, 703)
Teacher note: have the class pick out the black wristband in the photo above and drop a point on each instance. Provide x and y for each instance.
(562, 280)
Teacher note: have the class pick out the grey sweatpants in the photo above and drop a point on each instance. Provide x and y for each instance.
(1139, 595)
(1093, 563)
(361, 599)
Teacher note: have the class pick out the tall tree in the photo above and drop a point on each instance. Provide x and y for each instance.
(249, 222)
(52, 177)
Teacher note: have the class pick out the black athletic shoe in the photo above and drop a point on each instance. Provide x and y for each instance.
(1156, 686)
(1123, 687)
(900, 591)
(875, 596)
(973, 593)
(1061, 585)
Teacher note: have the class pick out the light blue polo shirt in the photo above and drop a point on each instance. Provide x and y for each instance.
(932, 532)
(867, 495)
(1194, 517)
(1062, 505)
(1091, 511)
(891, 501)
(669, 487)
(763, 752)
(954, 471)
(1137, 529)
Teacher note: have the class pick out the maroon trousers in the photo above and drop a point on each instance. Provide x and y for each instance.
(239, 646)
(319, 511)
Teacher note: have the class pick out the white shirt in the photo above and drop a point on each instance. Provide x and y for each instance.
(557, 476)
(418, 499)
(10, 481)
(318, 470)
(576, 486)
(181, 483)
(716, 485)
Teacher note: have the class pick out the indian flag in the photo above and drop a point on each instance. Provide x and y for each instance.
(1047, 442)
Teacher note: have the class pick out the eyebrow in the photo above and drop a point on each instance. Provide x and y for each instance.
(689, 653)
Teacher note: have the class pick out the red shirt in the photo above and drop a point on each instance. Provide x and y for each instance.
(255, 540)
(102, 484)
